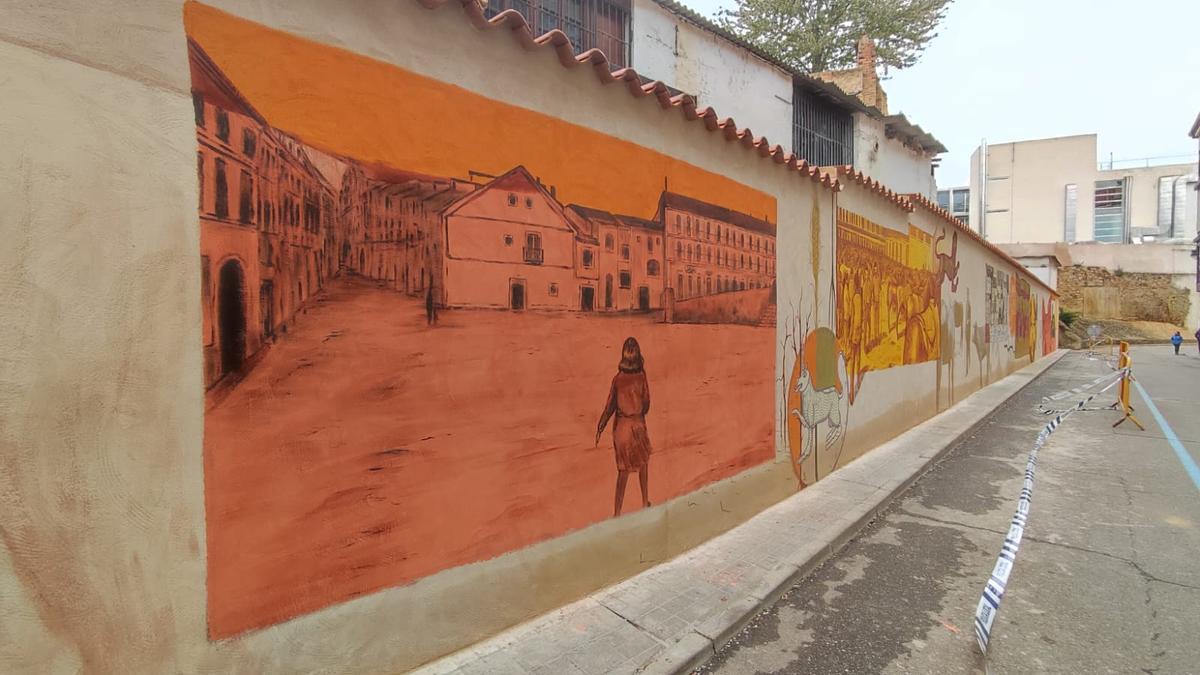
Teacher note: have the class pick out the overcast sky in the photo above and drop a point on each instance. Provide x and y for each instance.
(1009, 70)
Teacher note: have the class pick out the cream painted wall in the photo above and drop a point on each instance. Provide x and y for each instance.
(890, 161)
(1026, 190)
(733, 81)
(102, 558)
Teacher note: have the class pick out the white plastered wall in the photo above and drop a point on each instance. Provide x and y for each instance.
(890, 161)
(719, 74)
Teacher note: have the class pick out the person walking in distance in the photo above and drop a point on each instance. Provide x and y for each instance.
(1177, 340)
(1198, 338)
(629, 400)
(430, 307)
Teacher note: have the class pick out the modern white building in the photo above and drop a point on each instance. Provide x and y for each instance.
(957, 201)
(1054, 190)
(834, 118)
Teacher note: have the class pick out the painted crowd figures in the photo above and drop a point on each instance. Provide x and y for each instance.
(629, 401)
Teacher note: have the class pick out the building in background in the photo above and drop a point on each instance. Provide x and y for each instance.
(830, 119)
(1054, 190)
(957, 201)
(1195, 133)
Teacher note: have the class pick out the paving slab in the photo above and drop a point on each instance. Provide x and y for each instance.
(675, 616)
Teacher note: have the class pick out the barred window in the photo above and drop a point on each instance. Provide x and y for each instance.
(822, 133)
(589, 24)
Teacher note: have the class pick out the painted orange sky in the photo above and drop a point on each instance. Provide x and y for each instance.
(358, 107)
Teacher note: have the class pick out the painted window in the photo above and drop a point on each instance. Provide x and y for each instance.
(198, 107)
(608, 242)
(221, 208)
(625, 251)
(200, 172)
(249, 142)
(652, 268)
(589, 257)
(626, 279)
(223, 125)
(245, 198)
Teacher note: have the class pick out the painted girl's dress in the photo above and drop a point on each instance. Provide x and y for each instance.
(629, 399)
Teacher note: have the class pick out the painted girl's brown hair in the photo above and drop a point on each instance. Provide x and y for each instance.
(631, 364)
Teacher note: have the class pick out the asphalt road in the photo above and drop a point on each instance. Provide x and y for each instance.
(1108, 575)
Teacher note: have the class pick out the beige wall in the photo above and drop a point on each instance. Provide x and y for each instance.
(102, 553)
(1025, 188)
(1026, 182)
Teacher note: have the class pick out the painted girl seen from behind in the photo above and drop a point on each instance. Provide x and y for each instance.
(629, 400)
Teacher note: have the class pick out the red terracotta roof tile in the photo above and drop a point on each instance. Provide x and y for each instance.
(561, 45)
(850, 174)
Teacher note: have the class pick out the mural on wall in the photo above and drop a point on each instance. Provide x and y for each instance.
(888, 296)
(1049, 326)
(412, 366)
(997, 295)
(813, 375)
(1025, 320)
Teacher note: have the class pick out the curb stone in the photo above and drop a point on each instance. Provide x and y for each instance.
(673, 662)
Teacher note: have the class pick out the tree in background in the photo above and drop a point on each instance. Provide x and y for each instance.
(817, 35)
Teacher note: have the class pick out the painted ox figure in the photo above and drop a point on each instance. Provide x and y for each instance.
(816, 397)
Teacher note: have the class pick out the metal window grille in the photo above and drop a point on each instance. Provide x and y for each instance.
(1109, 218)
(589, 24)
(1070, 209)
(822, 133)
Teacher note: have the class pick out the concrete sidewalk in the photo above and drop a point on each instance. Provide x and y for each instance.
(674, 616)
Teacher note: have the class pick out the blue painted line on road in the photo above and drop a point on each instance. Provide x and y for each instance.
(1185, 458)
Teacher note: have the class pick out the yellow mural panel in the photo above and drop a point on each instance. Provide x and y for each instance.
(887, 296)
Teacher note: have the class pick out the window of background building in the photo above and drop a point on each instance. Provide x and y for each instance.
(652, 268)
(1109, 218)
(959, 200)
(608, 242)
(200, 173)
(249, 142)
(1172, 203)
(1070, 209)
(626, 279)
(553, 290)
(221, 207)
(625, 251)
(943, 199)
(223, 125)
(589, 24)
(822, 132)
(245, 200)
(589, 258)
(198, 107)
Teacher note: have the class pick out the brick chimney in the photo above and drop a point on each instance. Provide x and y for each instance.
(872, 92)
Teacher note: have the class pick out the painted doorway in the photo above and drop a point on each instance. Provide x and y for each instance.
(231, 298)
